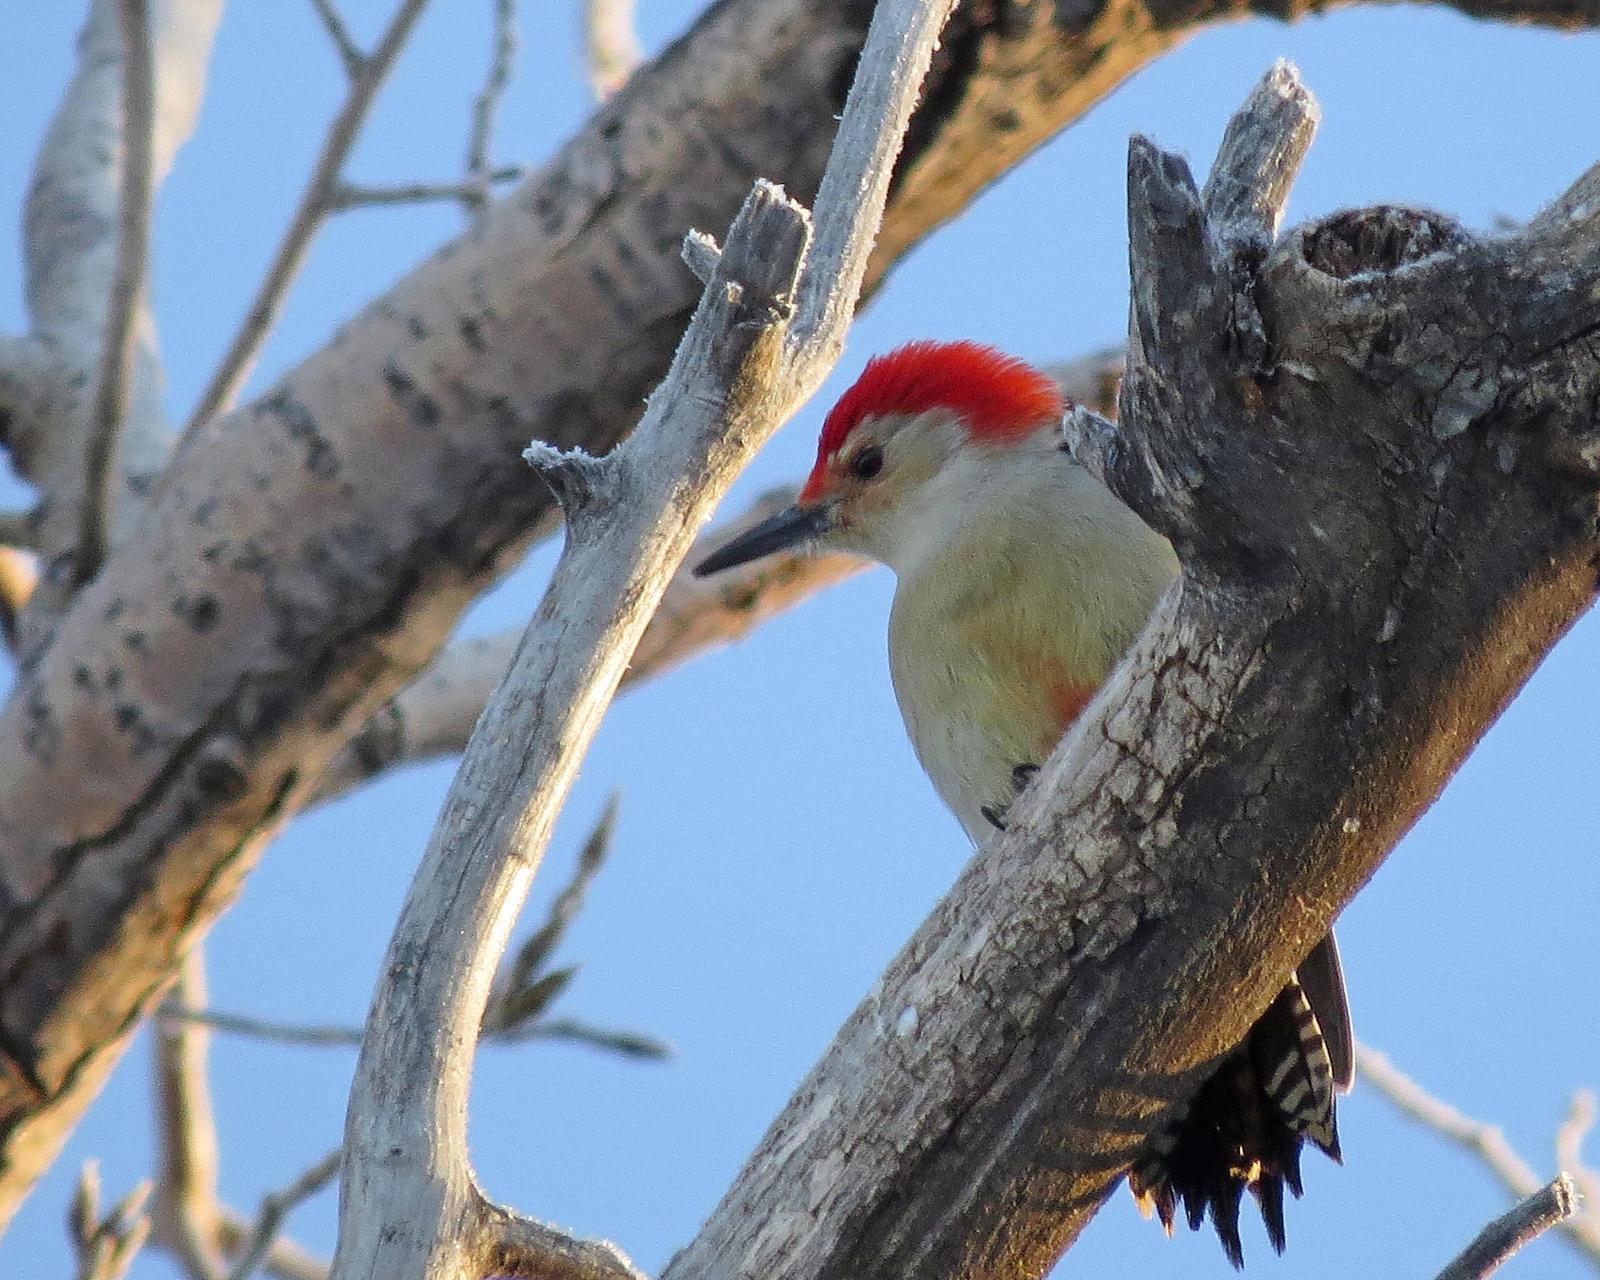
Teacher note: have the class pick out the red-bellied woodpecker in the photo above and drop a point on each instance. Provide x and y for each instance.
(1020, 582)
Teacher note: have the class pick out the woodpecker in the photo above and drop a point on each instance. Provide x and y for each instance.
(1020, 582)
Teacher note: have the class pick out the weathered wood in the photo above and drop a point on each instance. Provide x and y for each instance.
(769, 328)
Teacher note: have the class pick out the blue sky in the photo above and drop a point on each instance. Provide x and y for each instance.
(777, 841)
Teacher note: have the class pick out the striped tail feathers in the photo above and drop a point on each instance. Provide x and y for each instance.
(1244, 1129)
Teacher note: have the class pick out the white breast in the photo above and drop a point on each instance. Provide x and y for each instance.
(1008, 614)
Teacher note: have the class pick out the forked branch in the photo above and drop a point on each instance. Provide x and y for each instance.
(768, 328)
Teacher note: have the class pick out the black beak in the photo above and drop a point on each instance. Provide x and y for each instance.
(790, 526)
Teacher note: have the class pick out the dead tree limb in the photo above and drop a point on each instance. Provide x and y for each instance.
(72, 231)
(312, 551)
(1548, 1207)
(768, 330)
(1372, 442)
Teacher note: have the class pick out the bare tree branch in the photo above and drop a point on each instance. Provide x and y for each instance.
(1545, 1208)
(366, 77)
(434, 715)
(344, 44)
(277, 1206)
(769, 327)
(611, 43)
(106, 1247)
(80, 289)
(184, 1208)
(487, 105)
(1487, 1144)
(350, 195)
(114, 389)
(1569, 1159)
(285, 1259)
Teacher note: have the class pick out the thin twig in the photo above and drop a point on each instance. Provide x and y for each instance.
(1485, 1142)
(486, 106)
(353, 195)
(629, 1044)
(526, 990)
(343, 42)
(434, 715)
(278, 1205)
(309, 216)
(285, 1259)
(115, 382)
(185, 1209)
(262, 1028)
(105, 1247)
(611, 43)
(1546, 1207)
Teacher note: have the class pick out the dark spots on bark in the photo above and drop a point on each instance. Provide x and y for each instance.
(471, 333)
(80, 676)
(550, 212)
(204, 511)
(303, 429)
(1005, 121)
(114, 610)
(200, 612)
(219, 779)
(126, 715)
(134, 641)
(40, 733)
(114, 679)
(421, 409)
(415, 327)
(1074, 17)
(606, 286)
(211, 554)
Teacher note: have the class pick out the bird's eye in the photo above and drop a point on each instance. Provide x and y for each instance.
(867, 463)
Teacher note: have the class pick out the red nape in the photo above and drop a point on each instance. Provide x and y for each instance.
(998, 397)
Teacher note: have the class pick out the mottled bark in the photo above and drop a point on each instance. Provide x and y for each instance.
(1374, 443)
(312, 550)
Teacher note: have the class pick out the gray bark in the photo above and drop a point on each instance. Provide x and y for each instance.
(769, 328)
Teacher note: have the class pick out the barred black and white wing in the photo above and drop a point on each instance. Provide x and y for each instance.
(1244, 1129)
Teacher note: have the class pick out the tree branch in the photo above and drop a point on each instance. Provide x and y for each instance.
(114, 388)
(769, 327)
(1487, 1143)
(367, 75)
(277, 1206)
(1504, 1236)
(434, 715)
(610, 44)
(487, 105)
(85, 304)
(350, 195)
(344, 44)
(106, 1247)
(184, 1209)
